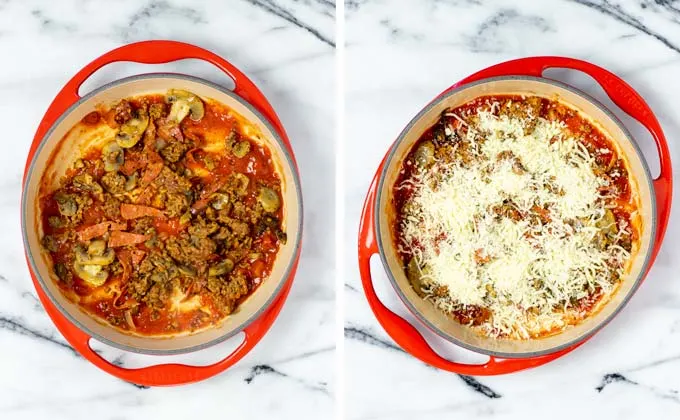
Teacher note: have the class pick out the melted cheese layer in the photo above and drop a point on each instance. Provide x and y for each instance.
(531, 271)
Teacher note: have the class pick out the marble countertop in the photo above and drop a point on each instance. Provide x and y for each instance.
(400, 55)
(287, 48)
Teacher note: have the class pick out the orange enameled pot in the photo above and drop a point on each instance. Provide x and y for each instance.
(257, 313)
(518, 77)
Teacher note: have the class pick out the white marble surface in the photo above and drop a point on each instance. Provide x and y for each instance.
(286, 47)
(400, 55)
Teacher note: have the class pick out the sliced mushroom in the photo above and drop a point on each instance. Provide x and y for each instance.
(269, 199)
(56, 222)
(113, 157)
(184, 103)
(131, 132)
(179, 111)
(219, 201)
(187, 270)
(439, 131)
(223, 267)
(90, 273)
(62, 272)
(415, 275)
(158, 277)
(131, 182)
(231, 139)
(243, 182)
(85, 182)
(50, 243)
(424, 154)
(608, 230)
(97, 247)
(241, 148)
(67, 204)
(608, 223)
(86, 258)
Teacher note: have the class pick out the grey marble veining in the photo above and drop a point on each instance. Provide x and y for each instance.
(287, 48)
(399, 56)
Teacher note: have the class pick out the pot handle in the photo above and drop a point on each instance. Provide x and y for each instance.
(158, 52)
(624, 96)
(168, 374)
(405, 334)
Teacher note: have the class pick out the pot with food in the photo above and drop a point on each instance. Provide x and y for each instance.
(165, 228)
(162, 213)
(515, 216)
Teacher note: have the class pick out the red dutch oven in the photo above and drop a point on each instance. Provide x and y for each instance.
(517, 77)
(256, 314)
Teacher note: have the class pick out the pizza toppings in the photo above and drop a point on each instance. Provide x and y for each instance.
(158, 227)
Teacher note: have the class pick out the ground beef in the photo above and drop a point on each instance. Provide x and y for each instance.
(139, 285)
(238, 228)
(176, 204)
(122, 113)
(114, 182)
(190, 249)
(111, 206)
(202, 229)
(508, 209)
(158, 295)
(250, 214)
(84, 202)
(143, 226)
(150, 137)
(172, 182)
(146, 266)
(228, 290)
(163, 264)
(155, 279)
(157, 110)
(237, 185)
(512, 109)
(557, 112)
(174, 151)
(222, 234)
(50, 243)
(238, 251)
(63, 273)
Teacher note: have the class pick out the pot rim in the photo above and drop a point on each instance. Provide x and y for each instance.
(452, 339)
(289, 267)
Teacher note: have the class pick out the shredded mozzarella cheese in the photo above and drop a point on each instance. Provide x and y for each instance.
(534, 269)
